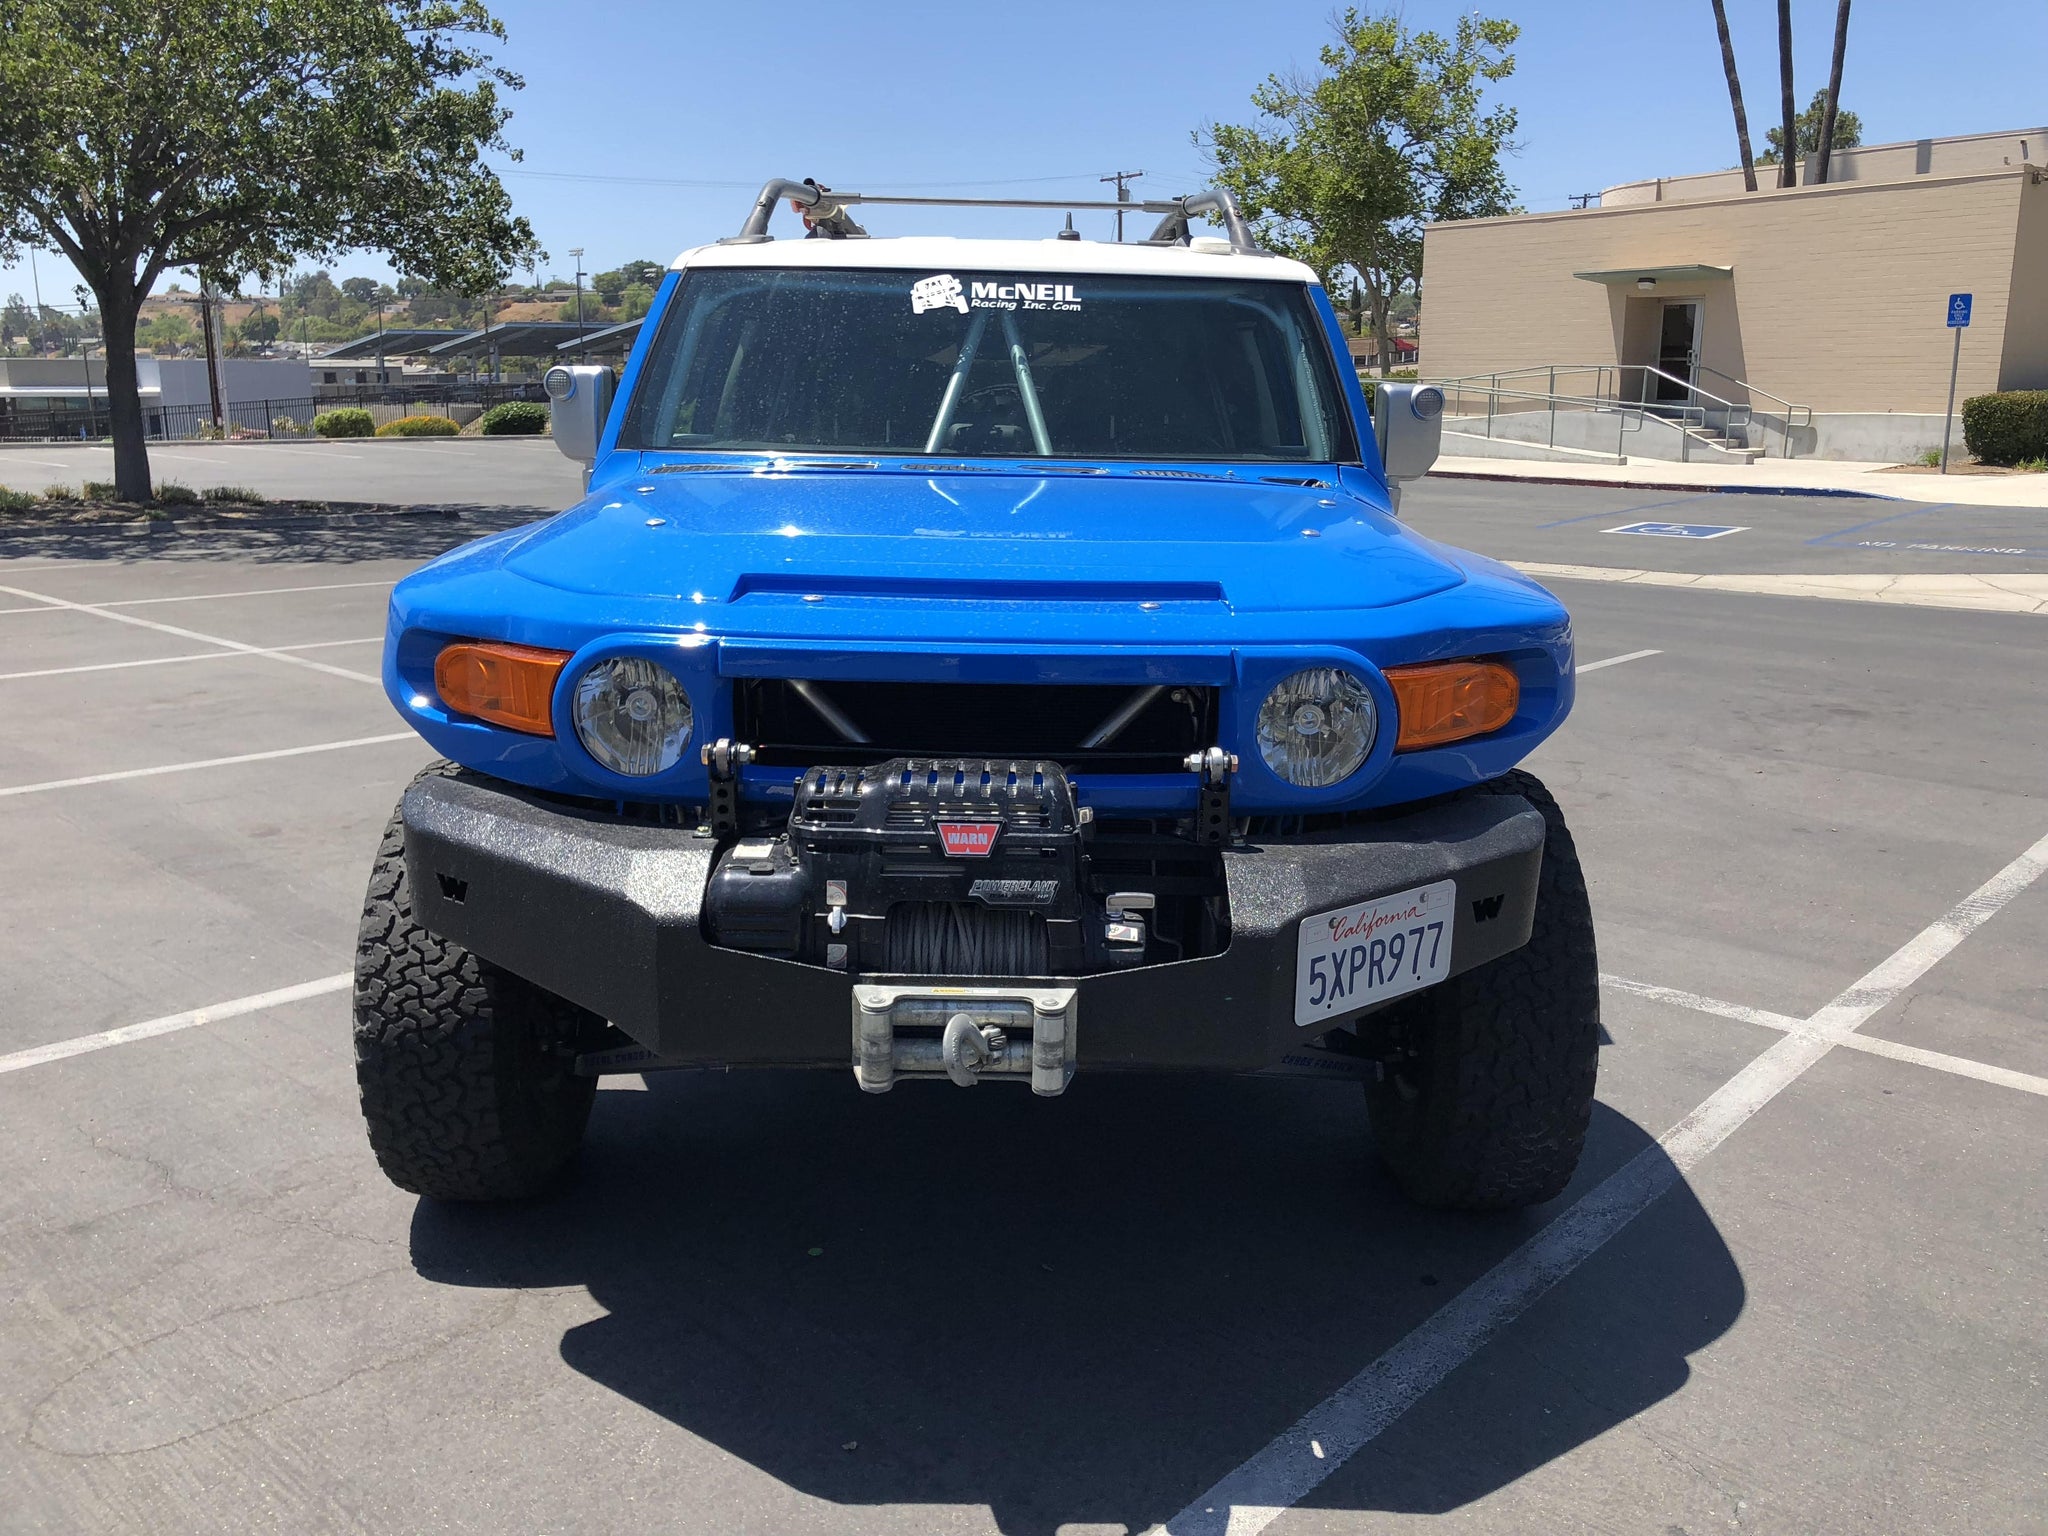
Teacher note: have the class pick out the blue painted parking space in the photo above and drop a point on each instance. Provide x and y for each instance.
(1681, 530)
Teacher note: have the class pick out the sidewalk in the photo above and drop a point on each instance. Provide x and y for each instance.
(1811, 477)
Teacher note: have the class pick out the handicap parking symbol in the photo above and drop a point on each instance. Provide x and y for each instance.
(1680, 530)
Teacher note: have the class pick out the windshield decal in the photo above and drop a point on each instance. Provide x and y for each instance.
(941, 292)
(1025, 296)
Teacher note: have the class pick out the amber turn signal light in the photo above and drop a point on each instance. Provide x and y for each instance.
(1445, 701)
(508, 685)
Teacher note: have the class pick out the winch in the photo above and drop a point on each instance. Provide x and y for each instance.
(927, 867)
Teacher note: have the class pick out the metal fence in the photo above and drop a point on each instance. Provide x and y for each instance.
(246, 419)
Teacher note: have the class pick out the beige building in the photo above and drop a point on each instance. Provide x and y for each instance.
(1809, 320)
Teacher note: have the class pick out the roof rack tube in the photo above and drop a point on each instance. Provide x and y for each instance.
(755, 230)
(1217, 200)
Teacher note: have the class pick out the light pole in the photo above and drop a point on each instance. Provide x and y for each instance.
(577, 252)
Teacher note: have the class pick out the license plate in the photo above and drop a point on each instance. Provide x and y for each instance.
(1364, 954)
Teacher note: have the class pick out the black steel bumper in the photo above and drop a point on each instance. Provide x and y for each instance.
(606, 914)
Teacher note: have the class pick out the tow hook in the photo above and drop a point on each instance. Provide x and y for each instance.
(967, 1047)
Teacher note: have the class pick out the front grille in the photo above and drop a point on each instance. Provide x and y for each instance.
(998, 720)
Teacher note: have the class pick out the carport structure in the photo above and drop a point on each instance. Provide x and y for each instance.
(1797, 1284)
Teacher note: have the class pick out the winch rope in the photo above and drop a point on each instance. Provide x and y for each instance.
(939, 938)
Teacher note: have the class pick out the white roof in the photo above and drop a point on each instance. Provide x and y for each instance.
(1208, 257)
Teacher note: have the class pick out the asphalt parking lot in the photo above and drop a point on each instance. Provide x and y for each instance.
(1797, 1286)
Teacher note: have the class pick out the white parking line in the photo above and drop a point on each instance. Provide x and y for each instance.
(1253, 1496)
(160, 661)
(207, 597)
(204, 597)
(171, 1023)
(205, 762)
(193, 458)
(195, 635)
(1940, 1061)
(1614, 661)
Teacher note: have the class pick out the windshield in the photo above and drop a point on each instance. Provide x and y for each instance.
(1001, 365)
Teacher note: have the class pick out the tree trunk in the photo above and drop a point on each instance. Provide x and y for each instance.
(1382, 344)
(1735, 96)
(118, 310)
(1834, 100)
(1788, 157)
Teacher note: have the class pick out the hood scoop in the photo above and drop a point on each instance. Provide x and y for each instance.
(975, 589)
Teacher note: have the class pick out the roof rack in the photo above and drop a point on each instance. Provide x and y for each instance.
(827, 212)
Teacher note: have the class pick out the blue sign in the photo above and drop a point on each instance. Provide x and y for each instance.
(1680, 530)
(1958, 311)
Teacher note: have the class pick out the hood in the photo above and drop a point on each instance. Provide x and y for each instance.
(1116, 536)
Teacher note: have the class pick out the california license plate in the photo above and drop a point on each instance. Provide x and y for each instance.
(1364, 954)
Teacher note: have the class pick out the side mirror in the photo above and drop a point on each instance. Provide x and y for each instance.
(579, 399)
(1408, 420)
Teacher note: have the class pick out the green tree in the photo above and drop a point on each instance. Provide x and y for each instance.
(260, 327)
(233, 136)
(1344, 168)
(1848, 132)
(168, 332)
(636, 301)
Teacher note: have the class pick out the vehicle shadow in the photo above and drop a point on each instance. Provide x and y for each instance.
(1072, 1311)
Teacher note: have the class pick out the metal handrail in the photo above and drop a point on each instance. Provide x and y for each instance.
(1688, 419)
(1790, 418)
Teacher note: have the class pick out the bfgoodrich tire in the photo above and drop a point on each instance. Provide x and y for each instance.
(1487, 1105)
(465, 1069)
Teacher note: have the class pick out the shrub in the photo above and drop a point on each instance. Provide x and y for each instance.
(172, 494)
(2007, 427)
(1930, 458)
(237, 495)
(515, 418)
(419, 426)
(99, 490)
(59, 493)
(284, 426)
(349, 421)
(15, 501)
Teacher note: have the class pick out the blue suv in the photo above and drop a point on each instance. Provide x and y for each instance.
(980, 661)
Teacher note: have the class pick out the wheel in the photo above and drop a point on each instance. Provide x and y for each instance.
(1487, 1103)
(466, 1070)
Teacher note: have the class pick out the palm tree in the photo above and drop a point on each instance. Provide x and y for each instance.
(1788, 162)
(1735, 95)
(1827, 121)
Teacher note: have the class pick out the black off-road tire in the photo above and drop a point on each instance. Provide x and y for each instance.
(466, 1070)
(1488, 1106)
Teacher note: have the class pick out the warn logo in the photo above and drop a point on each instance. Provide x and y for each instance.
(968, 839)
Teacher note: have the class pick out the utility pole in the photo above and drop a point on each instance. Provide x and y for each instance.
(1123, 195)
(85, 354)
(37, 283)
(212, 362)
(1583, 199)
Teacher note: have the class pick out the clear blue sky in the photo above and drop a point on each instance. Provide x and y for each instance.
(945, 97)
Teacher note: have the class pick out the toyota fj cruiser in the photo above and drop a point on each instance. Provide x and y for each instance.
(986, 661)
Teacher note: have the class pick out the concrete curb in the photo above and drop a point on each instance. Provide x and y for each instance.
(1633, 484)
(1969, 592)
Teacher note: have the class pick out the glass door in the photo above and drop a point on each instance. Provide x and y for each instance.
(1678, 352)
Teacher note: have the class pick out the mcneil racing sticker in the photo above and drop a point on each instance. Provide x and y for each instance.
(1364, 954)
(945, 291)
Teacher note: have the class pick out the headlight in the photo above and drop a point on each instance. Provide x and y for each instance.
(632, 715)
(1317, 726)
